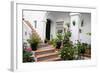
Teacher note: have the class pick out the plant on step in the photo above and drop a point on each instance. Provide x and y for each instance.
(27, 56)
(34, 41)
(46, 40)
(53, 42)
(66, 40)
(58, 40)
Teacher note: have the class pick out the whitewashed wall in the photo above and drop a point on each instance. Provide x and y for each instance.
(26, 33)
(74, 28)
(38, 16)
(41, 16)
(86, 28)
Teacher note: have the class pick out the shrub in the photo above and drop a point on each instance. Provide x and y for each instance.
(81, 47)
(67, 53)
(27, 56)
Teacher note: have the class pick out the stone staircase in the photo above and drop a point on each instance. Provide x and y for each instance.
(46, 53)
(33, 30)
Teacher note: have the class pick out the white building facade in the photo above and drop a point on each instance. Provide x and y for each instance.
(58, 23)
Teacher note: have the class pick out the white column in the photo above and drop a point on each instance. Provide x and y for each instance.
(74, 17)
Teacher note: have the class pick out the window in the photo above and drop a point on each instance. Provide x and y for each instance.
(25, 33)
(35, 22)
(59, 27)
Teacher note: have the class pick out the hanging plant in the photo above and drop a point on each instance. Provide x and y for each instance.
(74, 23)
(88, 33)
(82, 22)
(80, 31)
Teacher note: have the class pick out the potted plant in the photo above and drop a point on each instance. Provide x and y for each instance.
(53, 42)
(46, 40)
(59, 40)
(34, 41)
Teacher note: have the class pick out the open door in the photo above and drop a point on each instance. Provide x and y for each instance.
(48, 26)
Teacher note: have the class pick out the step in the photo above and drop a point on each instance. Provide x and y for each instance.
(47, 55)
(51, 59)
(44, 50)
(87, 55)
(43, 45)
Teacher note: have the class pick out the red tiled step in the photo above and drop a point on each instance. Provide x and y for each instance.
(47, 55)
(52, 59)
(43, 50)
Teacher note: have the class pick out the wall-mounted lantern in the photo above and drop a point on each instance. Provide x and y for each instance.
(82, 23)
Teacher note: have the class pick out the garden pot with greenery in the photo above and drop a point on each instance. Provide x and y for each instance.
(34, 46)
(46, 40)
(58, 40)
(58, 44)
(34, 41)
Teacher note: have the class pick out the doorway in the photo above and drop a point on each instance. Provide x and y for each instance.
(48, 27)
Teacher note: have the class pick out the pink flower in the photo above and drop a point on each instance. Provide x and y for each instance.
(29, 49)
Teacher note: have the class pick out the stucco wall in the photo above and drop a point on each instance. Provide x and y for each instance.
(86, 28)
(39, 17)
(74, 17)
(26, 33)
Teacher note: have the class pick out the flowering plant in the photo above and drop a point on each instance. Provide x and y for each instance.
(27, 53)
